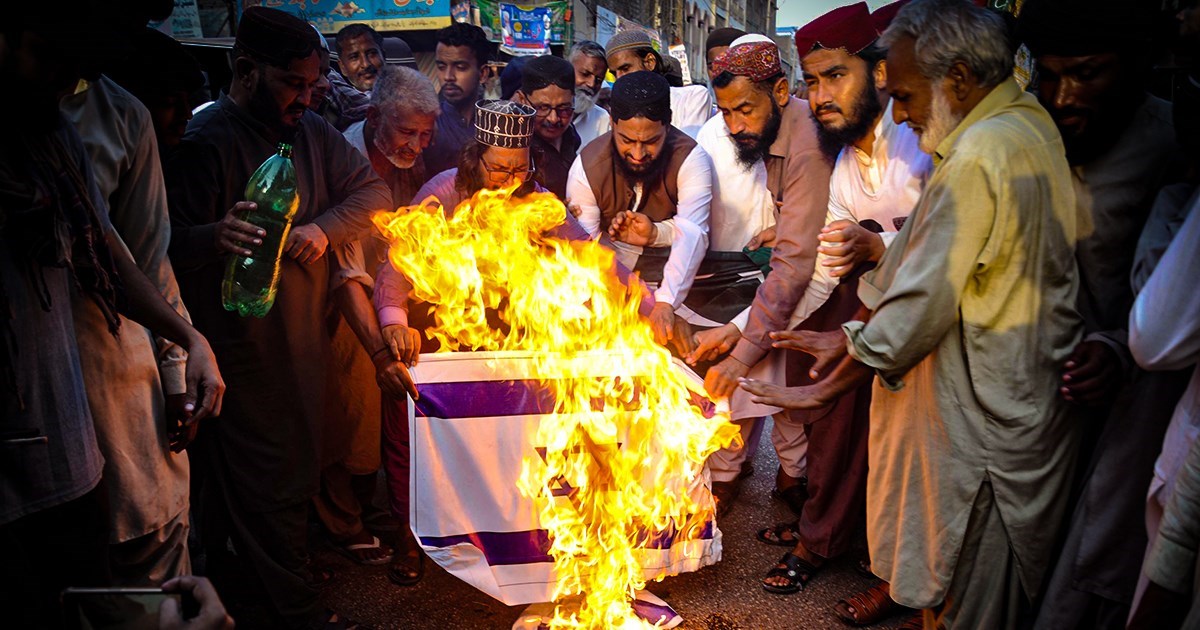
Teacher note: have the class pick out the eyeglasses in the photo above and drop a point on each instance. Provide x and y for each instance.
(506, 173)
(564, 111)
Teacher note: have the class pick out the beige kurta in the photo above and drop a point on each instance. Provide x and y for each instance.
(973, 318)
(128, 375)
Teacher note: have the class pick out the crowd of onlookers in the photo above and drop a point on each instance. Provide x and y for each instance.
(955, 266)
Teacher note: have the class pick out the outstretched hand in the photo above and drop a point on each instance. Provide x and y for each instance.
(682, 338)
(829, 348)
(662, 321)
(393, 377)
(712, 343)
(722, 379)
(764, 393)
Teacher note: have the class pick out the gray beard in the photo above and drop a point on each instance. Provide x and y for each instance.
(941, 123)
(584, 99)
(392, 158)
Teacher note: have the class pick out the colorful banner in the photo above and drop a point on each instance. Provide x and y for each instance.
(461, 12)
(606, 25)
(679, 52)
(183, 22)
(560, 20)
(524, 31)
(329, 16)
(609, 24)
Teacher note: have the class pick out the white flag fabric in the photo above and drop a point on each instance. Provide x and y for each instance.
(476, 420)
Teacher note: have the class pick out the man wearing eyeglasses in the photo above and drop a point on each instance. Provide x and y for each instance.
(548, 86)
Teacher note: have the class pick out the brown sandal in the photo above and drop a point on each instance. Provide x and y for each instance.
(868, 607)
(408, 567)
(781, 535)
(914, 622)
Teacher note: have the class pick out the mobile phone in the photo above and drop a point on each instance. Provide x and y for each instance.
(113, 608)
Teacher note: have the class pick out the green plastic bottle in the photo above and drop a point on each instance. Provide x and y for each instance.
(251, 281)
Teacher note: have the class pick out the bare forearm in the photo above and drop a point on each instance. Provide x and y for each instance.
(847, 376)
(355, 306)
(144, 304)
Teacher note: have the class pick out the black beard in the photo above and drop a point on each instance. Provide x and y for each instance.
(263, 107)
(757, 144)
(648, 174)
(859, 122)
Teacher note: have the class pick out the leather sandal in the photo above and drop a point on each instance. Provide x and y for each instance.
(868, 607)
(775, 535)
(793, 497)
(408, 567)
(796, 570)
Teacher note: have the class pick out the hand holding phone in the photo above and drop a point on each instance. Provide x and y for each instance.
(197, 593)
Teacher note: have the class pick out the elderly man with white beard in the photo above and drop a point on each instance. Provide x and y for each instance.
(398, 127)
(591, 65)
(971, 319)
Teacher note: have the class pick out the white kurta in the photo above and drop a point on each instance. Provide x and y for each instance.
(686, 233)
(883, 187)
(691, 107)
(1164, 334)
(592, 124)
(742, 206)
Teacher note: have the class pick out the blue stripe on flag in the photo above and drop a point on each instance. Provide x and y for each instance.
(501, 547)
(484, 399)
(528, 547)
(490, 399)
(654, 613)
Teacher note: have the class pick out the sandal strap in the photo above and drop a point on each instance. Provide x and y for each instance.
(778, 530)
(796, 569)
(794, 497)
(870, 605)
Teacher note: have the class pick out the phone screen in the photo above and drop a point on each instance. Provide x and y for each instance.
(113, 608)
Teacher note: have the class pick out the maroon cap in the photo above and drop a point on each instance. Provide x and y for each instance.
(757, 60)
(848, 27)
(884, 15)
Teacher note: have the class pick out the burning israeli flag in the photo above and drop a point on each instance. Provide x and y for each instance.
(565, 462)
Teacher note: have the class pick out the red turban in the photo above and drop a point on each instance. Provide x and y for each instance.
(885, 14)
(848, 27)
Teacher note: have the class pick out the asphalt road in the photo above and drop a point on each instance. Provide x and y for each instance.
(725, 596)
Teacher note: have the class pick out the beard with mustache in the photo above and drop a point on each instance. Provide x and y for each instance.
(646, 173)
(585, 97)
(942, 121)
(394, 157)
(752, 147)
(265, 108)
(859, 121)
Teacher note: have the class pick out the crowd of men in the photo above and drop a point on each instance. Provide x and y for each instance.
(955, 268)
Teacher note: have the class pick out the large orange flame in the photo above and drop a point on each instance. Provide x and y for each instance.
(629, 448)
